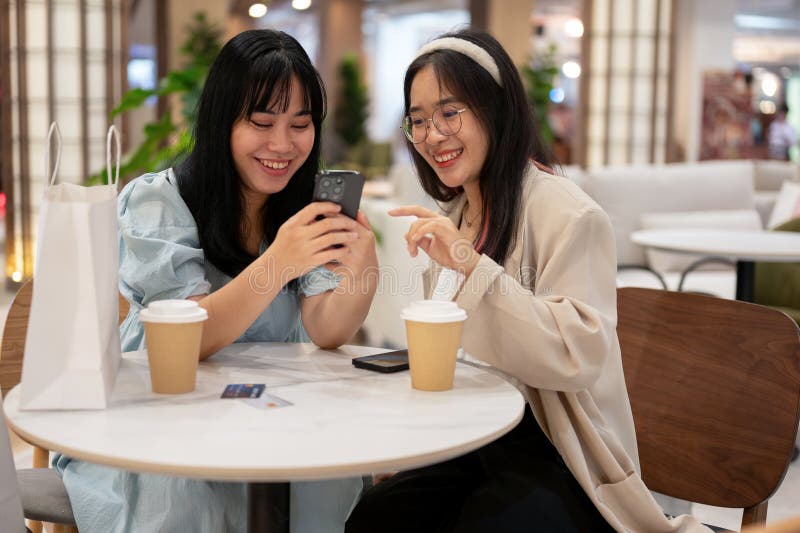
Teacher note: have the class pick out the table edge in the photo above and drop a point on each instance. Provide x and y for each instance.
(271, 474)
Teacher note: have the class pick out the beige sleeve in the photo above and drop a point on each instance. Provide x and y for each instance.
(558, 337)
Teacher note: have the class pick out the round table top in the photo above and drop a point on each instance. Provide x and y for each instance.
(343, 421)
(777, 246)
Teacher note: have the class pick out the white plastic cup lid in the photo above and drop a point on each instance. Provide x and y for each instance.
(437, 311)
(173, 312)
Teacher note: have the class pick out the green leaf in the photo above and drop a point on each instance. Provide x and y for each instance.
(132, 99)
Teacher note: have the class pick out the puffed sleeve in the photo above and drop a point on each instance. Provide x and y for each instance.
(317, 281)
(558, 336)
(159, 249)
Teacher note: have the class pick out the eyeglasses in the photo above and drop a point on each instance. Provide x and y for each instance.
(446, 119)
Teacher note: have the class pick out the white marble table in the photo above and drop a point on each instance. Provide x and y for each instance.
(744, 247)
(343, 422)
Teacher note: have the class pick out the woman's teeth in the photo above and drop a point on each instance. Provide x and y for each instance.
(277, 165)
(447, 157)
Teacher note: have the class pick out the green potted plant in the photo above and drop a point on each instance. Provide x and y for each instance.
(539, 76)
(350, 116)
(157, 151)
(350, 124)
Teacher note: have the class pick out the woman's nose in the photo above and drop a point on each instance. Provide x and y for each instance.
(434, 135)
(279, 141)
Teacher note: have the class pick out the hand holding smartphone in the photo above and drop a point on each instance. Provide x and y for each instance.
(341, 187)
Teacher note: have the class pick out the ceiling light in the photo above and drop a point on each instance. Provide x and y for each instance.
(571, 69)
(557, 95)
(257, 11)
(769, 84)
(301, 5)
(767, 107)
(573, 28)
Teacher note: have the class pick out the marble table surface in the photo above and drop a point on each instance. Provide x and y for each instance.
(343, 421)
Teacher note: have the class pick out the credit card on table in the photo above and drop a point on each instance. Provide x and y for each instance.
(243, 390)
(268, 401)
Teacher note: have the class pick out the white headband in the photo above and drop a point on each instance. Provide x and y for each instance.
(467, 48)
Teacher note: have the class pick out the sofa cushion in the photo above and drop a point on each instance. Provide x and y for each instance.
(770, 175)
(744, 219)
(787, 205)
(765, 204)
(627, 192)
(778, 284)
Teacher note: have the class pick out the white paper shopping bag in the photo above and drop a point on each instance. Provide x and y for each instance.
(72, 349)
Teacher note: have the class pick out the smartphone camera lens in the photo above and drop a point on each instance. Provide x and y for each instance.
(323, 195)
(326, 183)
(337, 190)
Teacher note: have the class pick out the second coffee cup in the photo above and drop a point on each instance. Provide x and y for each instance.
(173, 330)
(433, 332)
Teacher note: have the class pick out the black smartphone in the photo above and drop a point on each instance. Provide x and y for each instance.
(341, 187)
(386, 363)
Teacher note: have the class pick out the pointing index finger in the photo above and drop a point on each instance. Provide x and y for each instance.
(412, 210)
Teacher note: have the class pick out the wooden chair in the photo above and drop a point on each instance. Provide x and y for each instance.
(715, 390)
(39, 480)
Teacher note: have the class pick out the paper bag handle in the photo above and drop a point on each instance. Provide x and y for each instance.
(54, 132)
(113, 134)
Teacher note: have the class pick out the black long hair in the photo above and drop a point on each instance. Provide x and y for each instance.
(506, 116)
(252, 72)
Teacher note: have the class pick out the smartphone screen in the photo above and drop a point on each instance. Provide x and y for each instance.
(341, 187)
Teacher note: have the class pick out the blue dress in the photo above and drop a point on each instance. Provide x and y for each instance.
(160, 258)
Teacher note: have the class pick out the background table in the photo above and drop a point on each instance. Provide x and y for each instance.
(744, 247)
(343, 421)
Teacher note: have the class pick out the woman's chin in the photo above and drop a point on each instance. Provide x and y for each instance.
(451, 181)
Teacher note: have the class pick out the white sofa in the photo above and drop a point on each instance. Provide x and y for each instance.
(712, 194)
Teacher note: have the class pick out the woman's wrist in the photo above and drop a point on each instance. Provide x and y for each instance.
(472, 264)
(275, 269)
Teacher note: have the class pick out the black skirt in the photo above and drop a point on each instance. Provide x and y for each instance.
(518, 483)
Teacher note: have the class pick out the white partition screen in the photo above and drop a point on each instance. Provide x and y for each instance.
(626, 82)
(60, 60)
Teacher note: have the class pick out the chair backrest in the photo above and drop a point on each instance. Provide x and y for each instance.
(11, 516)
(13, 344)
(715, 390)
(15, 330)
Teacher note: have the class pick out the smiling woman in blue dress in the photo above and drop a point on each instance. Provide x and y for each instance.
(233, 228)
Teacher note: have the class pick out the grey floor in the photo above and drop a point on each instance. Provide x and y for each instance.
(784, 504)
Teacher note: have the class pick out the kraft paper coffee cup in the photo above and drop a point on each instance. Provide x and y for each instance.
(433, 331)
(173, 330)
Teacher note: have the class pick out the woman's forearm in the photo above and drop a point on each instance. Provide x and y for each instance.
(234, 307)
(331, 319)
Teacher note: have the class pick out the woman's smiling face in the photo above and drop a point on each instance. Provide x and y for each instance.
(269, 147)
(457, 159)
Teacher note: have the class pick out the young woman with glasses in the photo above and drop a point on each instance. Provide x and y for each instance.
(537, 263)
(234, 228)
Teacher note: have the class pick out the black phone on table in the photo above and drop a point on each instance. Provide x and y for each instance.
(386, 362)
(341, 187)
